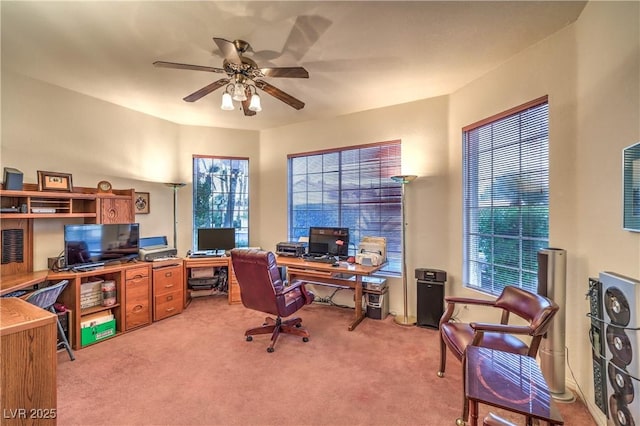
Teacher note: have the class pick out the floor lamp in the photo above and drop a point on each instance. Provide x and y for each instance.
(175, 187)
(404, 319)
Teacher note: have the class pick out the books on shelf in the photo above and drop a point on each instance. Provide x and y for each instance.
(98, 318)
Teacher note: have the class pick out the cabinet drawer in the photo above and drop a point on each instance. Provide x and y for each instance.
(167, 305)
(137, 274)
(138, 305)
(167, 280)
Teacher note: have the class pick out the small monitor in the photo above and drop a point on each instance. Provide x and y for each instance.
(214, 239)
(329, 241)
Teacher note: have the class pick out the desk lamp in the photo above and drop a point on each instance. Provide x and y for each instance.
(404, 319)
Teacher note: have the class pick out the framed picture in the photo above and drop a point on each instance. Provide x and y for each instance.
(54, 181)
(142, 203)
(631, 187)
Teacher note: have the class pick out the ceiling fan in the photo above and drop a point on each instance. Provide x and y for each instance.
(243, 75)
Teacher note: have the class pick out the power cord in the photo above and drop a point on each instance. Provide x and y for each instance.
(584, 400)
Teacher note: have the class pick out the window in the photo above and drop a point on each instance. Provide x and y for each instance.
(349, 187)
(221, 196)
(506, 198)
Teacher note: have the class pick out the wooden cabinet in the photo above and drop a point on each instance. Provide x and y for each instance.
(168, 289)
(21, 208)
(29, 363)
(116, 209)
(133, 297)
(137, 297)
(233, 292)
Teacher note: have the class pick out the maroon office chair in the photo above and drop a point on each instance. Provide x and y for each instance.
(262, 289)
(536, 310)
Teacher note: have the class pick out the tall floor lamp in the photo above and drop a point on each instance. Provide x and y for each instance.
(404, 319)
(175, 187)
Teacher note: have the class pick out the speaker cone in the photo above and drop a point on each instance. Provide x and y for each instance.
(619, 345)
(617, 306)
(621, 383)
(620, 413)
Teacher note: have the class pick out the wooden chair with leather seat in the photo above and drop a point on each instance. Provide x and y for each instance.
(262, 289)
(536, 310)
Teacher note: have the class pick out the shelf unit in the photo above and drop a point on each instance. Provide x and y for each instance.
(21, 208)
(132, 308)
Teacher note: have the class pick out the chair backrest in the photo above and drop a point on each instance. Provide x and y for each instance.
(534, 308)
(259, 279)
(45, 297)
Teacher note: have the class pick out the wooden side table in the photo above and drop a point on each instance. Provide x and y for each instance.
(508, 381)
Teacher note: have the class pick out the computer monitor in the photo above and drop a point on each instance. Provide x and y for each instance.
(329, 241)
(214, 239)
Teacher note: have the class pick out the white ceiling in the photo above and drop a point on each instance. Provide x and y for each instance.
(360, 54)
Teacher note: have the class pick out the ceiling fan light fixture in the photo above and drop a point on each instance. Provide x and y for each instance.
(227, 102)
(238, 92)
(255, 104)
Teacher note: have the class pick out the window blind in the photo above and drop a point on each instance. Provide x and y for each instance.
(506, 198)
(349, 187)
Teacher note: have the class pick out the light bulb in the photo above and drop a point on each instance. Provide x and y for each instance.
(255, 103)
(227, 103)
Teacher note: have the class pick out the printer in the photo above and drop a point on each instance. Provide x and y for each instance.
(152, 248)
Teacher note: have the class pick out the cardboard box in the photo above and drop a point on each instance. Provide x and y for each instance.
(98, 332)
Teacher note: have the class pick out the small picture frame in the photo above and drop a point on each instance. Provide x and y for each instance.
(54, 181)
(141, 203)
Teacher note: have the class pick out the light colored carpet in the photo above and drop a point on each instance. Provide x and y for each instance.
(197, 369)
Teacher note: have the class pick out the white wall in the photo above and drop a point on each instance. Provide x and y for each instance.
(48, 128)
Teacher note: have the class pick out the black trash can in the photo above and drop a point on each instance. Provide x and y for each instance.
(430, 295)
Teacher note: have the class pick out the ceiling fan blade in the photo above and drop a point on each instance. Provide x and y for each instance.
(228, 49)
(206, 90)
(279, 94)
(289, 72)
(176, 65)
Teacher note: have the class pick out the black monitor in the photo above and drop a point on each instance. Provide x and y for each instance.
(91, 243)
(329, 241)
(214, 239)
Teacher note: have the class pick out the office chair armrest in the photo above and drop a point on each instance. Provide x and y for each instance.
(501, 328)
(308, 296)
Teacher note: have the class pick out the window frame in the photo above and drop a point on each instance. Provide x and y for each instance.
(529, 213)
(388, 196)
(240, 213)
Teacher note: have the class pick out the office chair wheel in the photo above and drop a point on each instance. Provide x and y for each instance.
(305, 339)
(270, 349)
(249, 338)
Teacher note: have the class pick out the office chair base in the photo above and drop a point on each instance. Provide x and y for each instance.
(277, 326)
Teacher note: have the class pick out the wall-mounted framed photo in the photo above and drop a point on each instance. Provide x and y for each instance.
(54, 181)
(141, 203)
(631, 187)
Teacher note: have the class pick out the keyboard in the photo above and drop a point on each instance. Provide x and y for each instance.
(320, 259)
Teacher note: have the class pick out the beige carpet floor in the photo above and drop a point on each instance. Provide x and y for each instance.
(197, 369)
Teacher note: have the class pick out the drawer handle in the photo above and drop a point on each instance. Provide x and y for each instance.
(168, 274)
(137, 277)
(169, 298)
(168, 285)
(137, 308)
(171, 309)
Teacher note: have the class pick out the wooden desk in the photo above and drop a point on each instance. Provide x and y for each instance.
(509, 381)
(20, 281)
(29, 363)
(326, 274)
